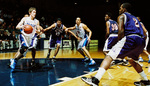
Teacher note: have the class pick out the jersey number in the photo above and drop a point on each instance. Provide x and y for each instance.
(136, 23)
(114, 27)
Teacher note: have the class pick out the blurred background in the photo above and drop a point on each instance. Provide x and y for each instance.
(92, 13)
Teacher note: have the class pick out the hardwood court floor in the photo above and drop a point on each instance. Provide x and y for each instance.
(117, 75)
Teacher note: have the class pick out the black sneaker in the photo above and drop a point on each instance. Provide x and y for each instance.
(91, 81)
(142, 83)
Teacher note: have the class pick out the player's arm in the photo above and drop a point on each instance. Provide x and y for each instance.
(107, 29)
(70, 28)
(88, 30)
(38, 31)
(20, 24)
(144, 29)
(121, 27)
(50, 27)
(74, 35)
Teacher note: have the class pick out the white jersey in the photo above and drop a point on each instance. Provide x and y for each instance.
(33, 23)
(80, 31)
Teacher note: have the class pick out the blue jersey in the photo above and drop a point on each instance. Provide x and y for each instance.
(113, 27)
(57, 31)
(132, 25)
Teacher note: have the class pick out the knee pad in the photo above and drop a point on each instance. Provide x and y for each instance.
(23, 49)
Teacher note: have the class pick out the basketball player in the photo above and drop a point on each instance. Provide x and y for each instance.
(146, 41)
(112, 37)
(83, 39)
(111, 33)
(27, 41)
(55, 37)
(131, 43)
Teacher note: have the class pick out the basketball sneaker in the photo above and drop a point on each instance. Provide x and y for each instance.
(13, 63)
(91, 81)
(86, 59)
(142, 83)
(92, 62)
(140, 59)
(148, 61)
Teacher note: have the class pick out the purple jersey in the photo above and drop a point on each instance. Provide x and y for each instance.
(113, 27)
(132, 25)
(57, 31)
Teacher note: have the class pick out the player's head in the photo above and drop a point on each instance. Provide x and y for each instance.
(59, 22)
(32, 11)
(125, 7)
(138, 18)
(78, 20)
(26, 15)
(108, 16)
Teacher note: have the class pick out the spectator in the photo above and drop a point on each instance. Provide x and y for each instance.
(5, 40)
(14, 38)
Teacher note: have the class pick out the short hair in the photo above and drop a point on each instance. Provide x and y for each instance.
(59, 19)
(31, 9)
(109, 14)
(127, 6)
(79, 18)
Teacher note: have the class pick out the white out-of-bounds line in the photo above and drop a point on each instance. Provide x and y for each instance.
(74, 78)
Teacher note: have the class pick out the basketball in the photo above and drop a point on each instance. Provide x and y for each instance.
(28, 29)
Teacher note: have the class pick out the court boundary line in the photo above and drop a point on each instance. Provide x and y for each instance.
(90, 73)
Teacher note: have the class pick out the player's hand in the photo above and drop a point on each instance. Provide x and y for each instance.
(43, 30)
(66, 30)
(23, 26)
(79, 38)
(89, 39)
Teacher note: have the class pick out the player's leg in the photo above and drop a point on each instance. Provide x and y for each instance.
(49, 52)
(140, 58)
(138, 68)
(33, 49)
(94, 81)
(56, 50)
(92, 62)
(80, 50)
(145, 49)
(147, 53)
(23, 49)
(58, 42)
(33, 53)
(120, 50)
(51, 46)
(18, 56)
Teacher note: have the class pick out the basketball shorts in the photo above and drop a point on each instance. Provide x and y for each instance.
(27, 41)
(53, 41)
(84, 42)
(110, 42)
(131, 46)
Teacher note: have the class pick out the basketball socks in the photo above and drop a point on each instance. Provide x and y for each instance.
(54, 56)
(143, 75)
(100, 73)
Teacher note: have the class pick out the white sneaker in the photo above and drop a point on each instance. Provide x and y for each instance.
(140, 59)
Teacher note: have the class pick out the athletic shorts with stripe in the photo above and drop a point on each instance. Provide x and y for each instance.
(110, 42)
(131, 46)
(53, 41)
(82, 43)
(27, 42)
